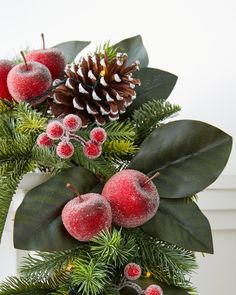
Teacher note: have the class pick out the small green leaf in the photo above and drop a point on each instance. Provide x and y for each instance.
(189, 155)
(181, 223)
(38, 224)
(155, 84)
(135, 49)
(71, 49)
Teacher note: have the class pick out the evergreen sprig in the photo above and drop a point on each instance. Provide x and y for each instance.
(90, 275)
(21, 286)
(107, 48)
(120, 130)
(168, 263)
(119, 148)
(111, 248)
(150, 115)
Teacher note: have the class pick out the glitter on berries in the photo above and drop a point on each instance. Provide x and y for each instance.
(98, 135)
(132, 271)
(55, 130)
(65, 149)
(72, 122)
(92, 150)
(44, 141)
(154, 290)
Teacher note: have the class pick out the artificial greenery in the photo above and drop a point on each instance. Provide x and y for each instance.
(142, 139)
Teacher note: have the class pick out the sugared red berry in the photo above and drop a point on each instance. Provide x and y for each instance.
(98, 135)
(154, 290)
(44, 141)
(72, 122)
(65, 149)
(92, 150)
(55, 130)
(132, 271)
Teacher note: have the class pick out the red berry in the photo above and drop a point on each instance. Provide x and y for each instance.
(65, 149)
(92, 150)
(55, 130)
(98, 135)
(154, 290)
(44, 141)
(132, 271)
(25, 83)
(5, 67)
(72, 122)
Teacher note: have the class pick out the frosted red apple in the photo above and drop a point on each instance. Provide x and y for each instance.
(133, 198)
(27, 81)
(5, 67)
(86, 216)
(52, 58)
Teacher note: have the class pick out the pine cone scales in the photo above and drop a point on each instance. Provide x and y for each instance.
(97, 89)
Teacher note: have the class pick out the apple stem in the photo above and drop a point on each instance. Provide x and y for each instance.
(42, 36)
(157, 174)
(26, 65)
(74, 190)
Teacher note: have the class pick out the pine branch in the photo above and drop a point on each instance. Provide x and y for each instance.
(111, 248)
(120, 130)
(168, 263)
(100, 167)
(28, 120)
(50, 266)
(11, 173)
(90, 276)
(119, 148)
(151, 115)
(21, 286)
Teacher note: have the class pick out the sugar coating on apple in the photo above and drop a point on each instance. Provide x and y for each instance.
(86, 216)
(133, 198)
(27, 82)
(5, 67)
(52, 58)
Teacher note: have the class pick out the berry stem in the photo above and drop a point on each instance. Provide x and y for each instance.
(78, 138)
(43, 39)
(74, 190)
(26, 65)
(132, 285)
(157, 174)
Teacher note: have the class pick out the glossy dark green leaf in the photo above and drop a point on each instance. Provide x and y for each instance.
(144, 283)
(155, 84)
(38, 224)
(71, 48)
(189, 155)
(135, 49)
(181, 222)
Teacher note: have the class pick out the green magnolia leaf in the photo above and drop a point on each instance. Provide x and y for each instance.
(144, 283)
(155, 84)
(71, 49)
(38, 224)
(182, 223)
(135, 49)
(189, 155)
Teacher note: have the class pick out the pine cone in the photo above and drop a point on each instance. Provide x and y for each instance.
(96, 89)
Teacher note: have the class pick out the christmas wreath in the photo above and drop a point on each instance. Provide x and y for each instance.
(118, 214)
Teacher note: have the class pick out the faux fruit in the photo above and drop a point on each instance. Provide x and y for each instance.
(5, 67)
(86, 216)
(29, 80)
(52, 58)
(133, 198)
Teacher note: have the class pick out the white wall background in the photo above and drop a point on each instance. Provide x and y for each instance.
(195, 40)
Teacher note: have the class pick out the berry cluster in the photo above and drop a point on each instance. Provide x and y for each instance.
(65, 132)
(133, 272)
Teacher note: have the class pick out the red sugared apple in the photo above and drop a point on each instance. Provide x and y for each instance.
(86, 216)
(28, 80)
(133, 198)
(5, 67)
(52, 58)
